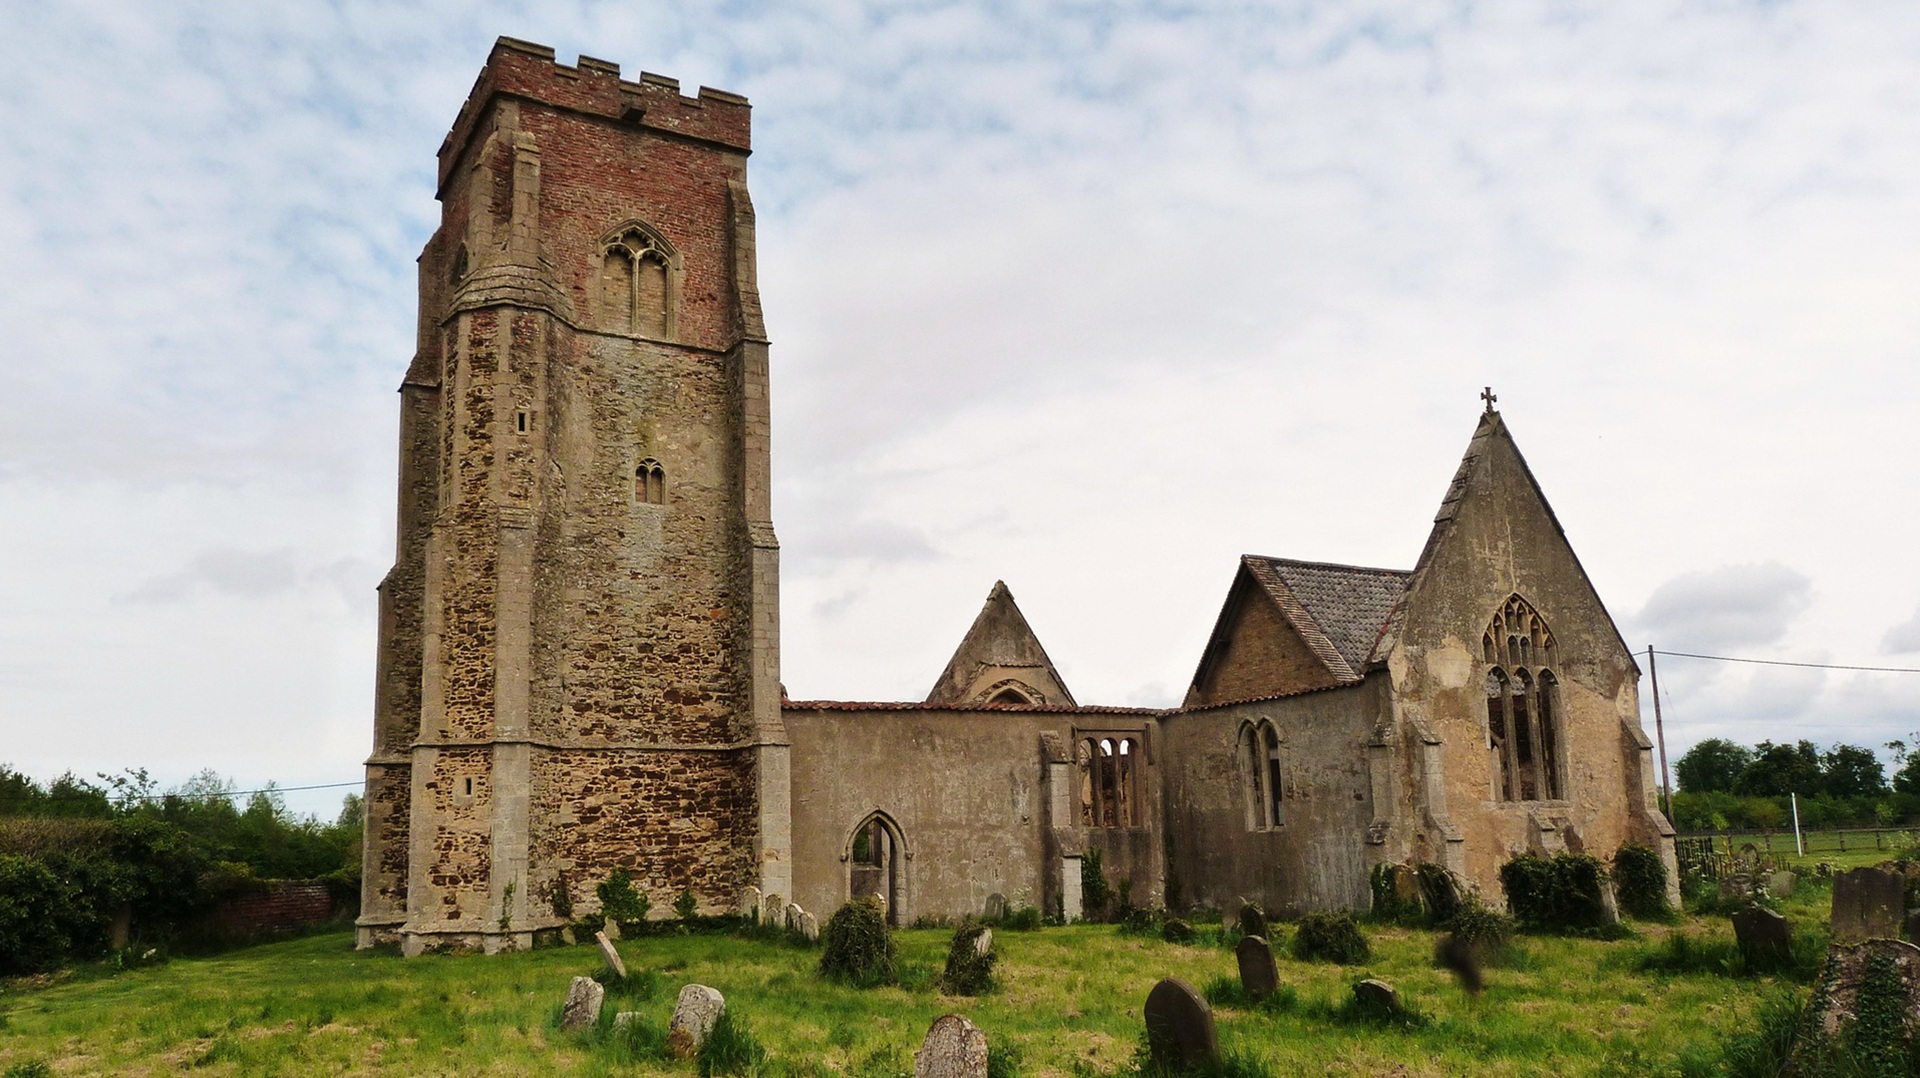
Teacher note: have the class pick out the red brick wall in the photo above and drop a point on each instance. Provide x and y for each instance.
(285, 906)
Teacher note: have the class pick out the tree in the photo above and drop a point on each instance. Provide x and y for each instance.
(1907, 779)
(1712, 765)
(1851, 771)
(1779, 770)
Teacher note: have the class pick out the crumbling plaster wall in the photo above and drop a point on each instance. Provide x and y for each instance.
(1503, 541)
(1317, 857)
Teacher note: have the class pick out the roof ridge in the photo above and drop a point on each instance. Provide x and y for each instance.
(1331, 565)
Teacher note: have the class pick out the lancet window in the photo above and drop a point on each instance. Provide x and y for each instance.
(1264, 774)
(1523, 732)
(650, 483)
(1109, 781)
(639, 283)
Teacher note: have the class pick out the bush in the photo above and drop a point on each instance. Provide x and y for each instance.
(1439, 891)
(858, 947)
(1024, 919)
(1558, 895)
(1640, 880)
(1094, 891)
(1388, 905)
(968, 972)
(1331, 937)
(1143, 921)
(1486, 931)
(620, 903)
(685, 905)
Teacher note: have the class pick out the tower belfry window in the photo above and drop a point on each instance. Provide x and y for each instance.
(1523, 737)
(639, 283)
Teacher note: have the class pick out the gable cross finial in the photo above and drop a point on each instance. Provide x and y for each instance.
(1487, 395)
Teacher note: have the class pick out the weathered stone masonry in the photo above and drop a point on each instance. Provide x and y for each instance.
(579, 638)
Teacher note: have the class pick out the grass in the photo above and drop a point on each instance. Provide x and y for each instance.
(1068, 1005)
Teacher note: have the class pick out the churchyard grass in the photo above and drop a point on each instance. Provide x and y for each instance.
(1070, 1004)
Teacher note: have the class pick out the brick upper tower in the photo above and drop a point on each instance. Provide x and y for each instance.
(579, 651)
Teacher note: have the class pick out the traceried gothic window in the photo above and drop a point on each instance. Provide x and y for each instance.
(650, 483)
(1109, 781)
(1523, 732)
(1264, 774)
(639, 283)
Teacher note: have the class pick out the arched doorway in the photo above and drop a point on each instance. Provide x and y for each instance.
(876, 856)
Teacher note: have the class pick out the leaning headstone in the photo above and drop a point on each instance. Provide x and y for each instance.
(1836, 1006)
(1180, 1031)
(793, 915)
(954, 1048)
(1764, 937)
(612, 956)
(1781, 883)
(582, 1009)
(1868, 903)
(1259, 976)
(694, 1014)
(773, 910)
(996, 907)
(1252, 921)
(983, 943)
(750, 902)
(1609, 904)
(1374, 992)
(809, 927)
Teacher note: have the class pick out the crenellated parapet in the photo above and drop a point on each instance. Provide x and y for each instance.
(521, 69)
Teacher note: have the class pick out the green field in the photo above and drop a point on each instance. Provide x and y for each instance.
(1069, 1004)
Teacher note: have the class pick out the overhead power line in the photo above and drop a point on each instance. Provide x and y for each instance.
(1784, 662)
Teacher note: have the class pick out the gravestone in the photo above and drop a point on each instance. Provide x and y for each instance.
(773, 909)
(1910, 929)
(880, 901)
(1748, 859)
(1781, 883)
(750, 902)
(1180, 1031)
(1736, 887)
(612, 956)
(1177, 931)
(1835, 1008)
(1609, 904)
(954, 1048)
(1406, 887)
(1252, 921)
(983, 943)
(624, 1019)
(809, 927)
(1377, 993)
(1868, 903)
(694, 1014)
(996, 907)
(793, 915)
(1259, 975)
(1765, 938)
(582, 1010)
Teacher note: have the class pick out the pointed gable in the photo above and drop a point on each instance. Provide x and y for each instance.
(1494, 516)
(1000, 661)
(1291, 626)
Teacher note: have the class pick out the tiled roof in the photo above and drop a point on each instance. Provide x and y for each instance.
(1347, 604)
(923, 705)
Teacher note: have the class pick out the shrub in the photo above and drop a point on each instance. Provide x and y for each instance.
(857, 947)
(1486, 931)
(1439, 891)
(684, 906)
(730, 1048)
(1003, 1060)
(1388, 904)
(619, 902)
(560, 897)
(1094, 891)
(968, 972)
(1024, 919)
(1331, 937)
(1558, 895)
(1178, 931)
(1142, 921)
(1640, 879)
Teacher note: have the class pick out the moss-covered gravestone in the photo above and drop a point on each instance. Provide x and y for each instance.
(954, 1048)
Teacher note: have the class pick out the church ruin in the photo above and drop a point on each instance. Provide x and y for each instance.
(579, 639)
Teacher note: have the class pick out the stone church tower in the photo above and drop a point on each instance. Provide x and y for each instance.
(579, 654)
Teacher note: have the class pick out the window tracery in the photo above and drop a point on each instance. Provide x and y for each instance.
(1522, 710)
(1109, 781)
(639, 283)
(650, 483)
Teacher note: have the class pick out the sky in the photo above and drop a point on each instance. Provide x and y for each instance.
(1092, 298)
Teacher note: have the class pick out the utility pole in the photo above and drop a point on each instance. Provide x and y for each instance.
(1660, 732)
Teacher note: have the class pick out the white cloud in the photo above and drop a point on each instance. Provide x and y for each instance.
(1088, 300)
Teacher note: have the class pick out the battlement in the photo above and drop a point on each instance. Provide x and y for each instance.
(594, 87)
